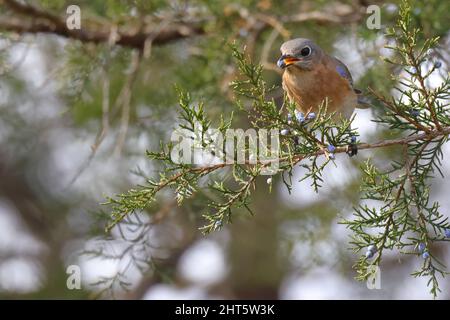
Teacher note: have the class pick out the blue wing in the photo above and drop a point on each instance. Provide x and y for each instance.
(342, 70)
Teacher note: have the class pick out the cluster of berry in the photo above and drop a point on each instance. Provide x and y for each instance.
(331, 150)
(422, 247)
(300, 118)
(372, 249)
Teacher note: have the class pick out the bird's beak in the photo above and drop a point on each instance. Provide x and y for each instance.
(286, 60)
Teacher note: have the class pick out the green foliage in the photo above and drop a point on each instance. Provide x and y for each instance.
(307, 141)
(400, 205)
(400, 215)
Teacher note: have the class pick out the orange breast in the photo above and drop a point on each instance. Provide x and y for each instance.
(308, 89)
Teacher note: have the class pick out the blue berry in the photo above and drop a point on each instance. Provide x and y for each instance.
(353, 139)
(218, 224)
(331, 148)
(447, 233)
(299, 116)
(370, 254)
(437, 64)
(372, 248)
(243, 32)
(284, 132)
(414, 112)
(425, 255)
(289, 118)
(332, 156)
(421, 246)
(311, 116)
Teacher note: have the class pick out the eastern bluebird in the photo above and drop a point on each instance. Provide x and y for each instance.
(311, 75)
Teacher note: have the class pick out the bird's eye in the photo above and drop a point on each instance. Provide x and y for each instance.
(306, 51)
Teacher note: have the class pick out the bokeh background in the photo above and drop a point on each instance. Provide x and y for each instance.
(77, 117)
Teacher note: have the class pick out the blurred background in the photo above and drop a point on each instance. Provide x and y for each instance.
(76, 118)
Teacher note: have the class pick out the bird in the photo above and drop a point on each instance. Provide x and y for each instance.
(311, 76)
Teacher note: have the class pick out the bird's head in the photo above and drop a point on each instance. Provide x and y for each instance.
(301, 53)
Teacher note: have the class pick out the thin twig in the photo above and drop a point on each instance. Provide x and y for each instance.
(126, 101)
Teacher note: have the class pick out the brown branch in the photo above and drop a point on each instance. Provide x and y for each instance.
(127, 39)
(334, 13)
(385, 143)
(416, 137)
(201, 171)
(43, 21)
(362, 146)
(324, 17)
(29, 10)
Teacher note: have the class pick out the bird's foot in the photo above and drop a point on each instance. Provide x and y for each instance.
(352, 149)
